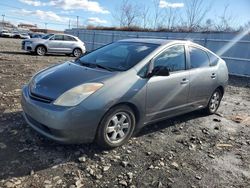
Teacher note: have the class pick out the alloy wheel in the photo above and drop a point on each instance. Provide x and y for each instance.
(41, 50)
(214, 101)
(118, 127)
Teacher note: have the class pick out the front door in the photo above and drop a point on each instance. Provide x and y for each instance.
(167, 95)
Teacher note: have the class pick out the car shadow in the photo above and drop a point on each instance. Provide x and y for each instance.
(22, 150)
(160, 125)
(30, 54)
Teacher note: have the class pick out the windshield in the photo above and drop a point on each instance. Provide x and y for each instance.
(47, 36)
(118, 56)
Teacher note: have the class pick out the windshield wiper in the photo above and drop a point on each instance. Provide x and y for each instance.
(93, 65)
(103, 67)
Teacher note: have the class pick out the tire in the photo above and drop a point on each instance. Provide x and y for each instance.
(214, 102)
(77, 52)
(116, 127)
(41, 50)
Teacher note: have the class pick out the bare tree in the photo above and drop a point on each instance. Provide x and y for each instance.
(209, 25)
(127, 14)
(157, 19)
(226, 21)
(171, 18)
(196, 11)
(145, 16)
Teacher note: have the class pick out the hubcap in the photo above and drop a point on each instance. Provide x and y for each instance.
(118, 127)
(214, 102)
(77, 52)
(40, 50)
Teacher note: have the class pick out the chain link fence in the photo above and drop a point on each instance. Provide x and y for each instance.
(234, 48)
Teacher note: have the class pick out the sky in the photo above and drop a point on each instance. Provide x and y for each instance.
(57, 14)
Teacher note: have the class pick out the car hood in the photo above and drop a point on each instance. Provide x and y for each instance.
(34, 40)
(54, 81)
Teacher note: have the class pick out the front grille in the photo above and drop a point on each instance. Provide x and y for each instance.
(23, 44)
(40, 98)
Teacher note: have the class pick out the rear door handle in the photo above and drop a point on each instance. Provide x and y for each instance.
(184, 81)
(213, 75)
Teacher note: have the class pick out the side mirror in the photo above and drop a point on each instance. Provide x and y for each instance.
(159, 71)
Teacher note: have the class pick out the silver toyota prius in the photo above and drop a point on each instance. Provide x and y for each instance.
(109, 94)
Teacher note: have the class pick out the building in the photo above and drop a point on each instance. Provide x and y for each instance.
(45, 31)
(24, 26)
(7, 26)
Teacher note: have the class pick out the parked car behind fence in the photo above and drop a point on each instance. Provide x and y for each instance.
(55, 43)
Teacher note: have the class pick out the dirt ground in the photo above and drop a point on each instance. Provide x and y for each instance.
(192, 150)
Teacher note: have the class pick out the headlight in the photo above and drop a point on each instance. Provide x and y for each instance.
(77, 94)
(28, 43)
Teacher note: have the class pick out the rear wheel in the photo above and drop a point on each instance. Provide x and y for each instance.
(77, 52)
(214, 102)
(40, 50)
(116, 127)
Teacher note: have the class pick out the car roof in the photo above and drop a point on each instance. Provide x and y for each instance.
(151, 40)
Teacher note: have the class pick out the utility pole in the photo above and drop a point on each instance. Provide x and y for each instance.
(69, 23)
(45, 24)
(77, 20)
(3, 15)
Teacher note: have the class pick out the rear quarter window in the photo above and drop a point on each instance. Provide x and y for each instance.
(213, 60)
(69, 38)
(198, 58)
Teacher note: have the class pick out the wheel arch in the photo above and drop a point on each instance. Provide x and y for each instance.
(41, 45)
(76, 47)
(133, 107)
(222, 90)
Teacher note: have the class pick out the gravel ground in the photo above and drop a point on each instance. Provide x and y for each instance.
(192, 150)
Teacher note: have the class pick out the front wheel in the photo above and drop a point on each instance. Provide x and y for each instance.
(41, 50)
(214, 102)
(116, 127)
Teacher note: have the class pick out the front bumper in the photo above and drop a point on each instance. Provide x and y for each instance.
(27, 47)
(62, 124)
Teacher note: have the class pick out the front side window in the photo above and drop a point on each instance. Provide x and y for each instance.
(47, 36)
(58, 37)
(173, 58)
(198, 58)
(119, 56)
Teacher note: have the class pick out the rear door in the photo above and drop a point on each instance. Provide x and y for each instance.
(55, 43)
(203, 78)
(167, 95)
(69, 43)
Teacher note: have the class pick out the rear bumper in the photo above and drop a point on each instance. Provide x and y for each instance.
(62, 124)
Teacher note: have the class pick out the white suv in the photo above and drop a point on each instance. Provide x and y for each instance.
(55, 43)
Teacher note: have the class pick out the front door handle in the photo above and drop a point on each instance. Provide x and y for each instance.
(213, 75)
(184, 81)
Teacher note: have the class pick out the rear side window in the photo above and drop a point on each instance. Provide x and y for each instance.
(173, 58)
(198, 58)
(69, 38)
(213, 59)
